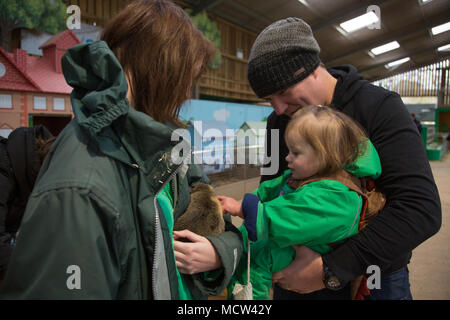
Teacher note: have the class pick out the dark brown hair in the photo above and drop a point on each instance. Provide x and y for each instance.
(162, 53)
(336, 138)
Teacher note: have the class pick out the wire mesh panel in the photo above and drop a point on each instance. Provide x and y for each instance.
(431, 80)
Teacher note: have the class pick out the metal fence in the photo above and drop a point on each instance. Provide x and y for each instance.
(431, 80)
(245, 164)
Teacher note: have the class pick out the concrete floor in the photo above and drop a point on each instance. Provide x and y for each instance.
(430, 263)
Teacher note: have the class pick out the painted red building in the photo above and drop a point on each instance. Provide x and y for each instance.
(33, 89)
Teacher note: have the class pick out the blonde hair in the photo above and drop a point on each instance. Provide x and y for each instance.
(336, 138)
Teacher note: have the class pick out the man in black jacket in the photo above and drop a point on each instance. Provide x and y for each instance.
(284, 68)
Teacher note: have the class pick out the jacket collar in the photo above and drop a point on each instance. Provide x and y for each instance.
(348, 84)
(103, 112)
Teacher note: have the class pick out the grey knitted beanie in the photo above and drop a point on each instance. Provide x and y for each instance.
(283, 54)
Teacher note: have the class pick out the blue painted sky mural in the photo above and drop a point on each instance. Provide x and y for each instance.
(220, 116)
(233, 114)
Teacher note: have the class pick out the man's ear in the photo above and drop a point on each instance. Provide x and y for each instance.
(316, 72)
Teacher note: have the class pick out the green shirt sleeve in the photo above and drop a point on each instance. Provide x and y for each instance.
(229, 247)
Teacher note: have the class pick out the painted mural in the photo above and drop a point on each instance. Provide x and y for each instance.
(215, 127)
(233, 114)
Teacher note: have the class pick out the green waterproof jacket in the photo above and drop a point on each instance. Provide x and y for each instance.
(315, 215)
(93, 227)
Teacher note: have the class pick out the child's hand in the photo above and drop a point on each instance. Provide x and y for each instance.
(231, 206)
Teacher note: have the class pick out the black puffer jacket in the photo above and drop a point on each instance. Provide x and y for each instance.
(19, 167)
(413, 209)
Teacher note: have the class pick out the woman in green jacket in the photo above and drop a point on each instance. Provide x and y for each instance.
(99, 221)
(305, 205)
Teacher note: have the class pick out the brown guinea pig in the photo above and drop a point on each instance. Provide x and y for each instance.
(203, 215)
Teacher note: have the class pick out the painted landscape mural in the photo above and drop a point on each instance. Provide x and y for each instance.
(218, 125)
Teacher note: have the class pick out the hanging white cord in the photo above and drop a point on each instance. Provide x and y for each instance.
(241, 292)
(248, 262)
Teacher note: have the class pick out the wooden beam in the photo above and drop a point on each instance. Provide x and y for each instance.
(406, 69)
(234, 58)
(206, 5)
(220, 88)
(237, 82)
(250, 12)
(235, 21)
(410, 54)
(240, 28)
(393, 35)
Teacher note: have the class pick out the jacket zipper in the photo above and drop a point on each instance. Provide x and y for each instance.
(157, 237)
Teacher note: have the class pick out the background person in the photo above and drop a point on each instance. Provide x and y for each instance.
(21, 156)
(417, 123)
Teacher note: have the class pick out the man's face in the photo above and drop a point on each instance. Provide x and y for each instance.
(301, 94)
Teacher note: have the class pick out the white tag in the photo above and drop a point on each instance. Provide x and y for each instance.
(241, 292)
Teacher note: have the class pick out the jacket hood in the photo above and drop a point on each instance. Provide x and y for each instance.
(102, 110)
(349, 83)
(99, 85)
(23, 151)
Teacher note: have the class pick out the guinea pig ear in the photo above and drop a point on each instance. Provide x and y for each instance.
(194, 188)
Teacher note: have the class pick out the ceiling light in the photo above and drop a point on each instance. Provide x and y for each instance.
(385, 48)
(444, 48)
(439, 29)
(397, 62)
(341, 31)
(359, 22)
(424, 1)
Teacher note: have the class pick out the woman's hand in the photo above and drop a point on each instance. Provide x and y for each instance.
(304, 274)
(231, 206)
(196, 256)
